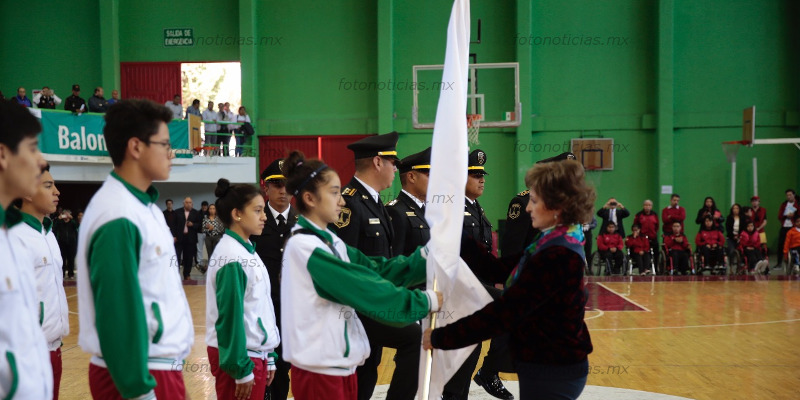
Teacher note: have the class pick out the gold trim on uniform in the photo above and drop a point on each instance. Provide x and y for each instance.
(349, 192)
(387, 153)
(274, 177)
(524, 193)
(344, 218)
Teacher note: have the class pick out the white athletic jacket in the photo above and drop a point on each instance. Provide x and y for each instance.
(237, 281)
(45, 259)
(323, 291)
(25, 371)
(128, 281)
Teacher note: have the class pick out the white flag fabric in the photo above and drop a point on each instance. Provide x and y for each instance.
(463, 293)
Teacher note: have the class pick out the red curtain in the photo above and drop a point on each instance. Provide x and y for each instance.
(157, 81)
(332, 149)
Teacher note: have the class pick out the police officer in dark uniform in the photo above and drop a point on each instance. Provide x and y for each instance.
(281, 216)
(477, 226)
(519, 232)
(75, 103)
(475, 222)
(365, 224)
(407, 211)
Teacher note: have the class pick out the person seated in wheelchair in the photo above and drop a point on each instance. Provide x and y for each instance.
(639, 247)
(750, 246)
(710, 244)
(791, 246)
(609, 243)
(678, 249)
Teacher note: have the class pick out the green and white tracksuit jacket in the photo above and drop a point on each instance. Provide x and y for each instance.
(240, 317)
(25, 371)
(45, 258)
(133, 312)
(320, 294)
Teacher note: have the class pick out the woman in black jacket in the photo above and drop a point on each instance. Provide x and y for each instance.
(710, 209)
(542, 307)
(734, 225)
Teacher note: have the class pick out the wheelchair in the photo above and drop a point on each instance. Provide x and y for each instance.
(600, 266)
(666, 266)
(720, 269)
(793, 263)
(649, 269)
(743, 262)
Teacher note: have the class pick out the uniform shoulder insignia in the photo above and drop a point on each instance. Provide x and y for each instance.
(344, 218)
(524, 193)
(349, 192)
(391, 203)
(514, 211)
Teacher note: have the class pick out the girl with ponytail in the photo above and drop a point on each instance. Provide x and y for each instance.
(325, 282)
(241, 331)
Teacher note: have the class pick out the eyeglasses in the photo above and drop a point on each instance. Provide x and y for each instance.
(165, 143)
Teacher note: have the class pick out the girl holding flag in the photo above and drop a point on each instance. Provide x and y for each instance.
(324, 283)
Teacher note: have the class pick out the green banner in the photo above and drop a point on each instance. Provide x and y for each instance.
(82, 135)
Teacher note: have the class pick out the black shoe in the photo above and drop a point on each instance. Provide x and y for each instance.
(493, 386)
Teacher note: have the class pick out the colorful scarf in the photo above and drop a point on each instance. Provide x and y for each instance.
(570, 236)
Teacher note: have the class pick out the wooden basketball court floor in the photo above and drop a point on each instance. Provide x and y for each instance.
(695, 337)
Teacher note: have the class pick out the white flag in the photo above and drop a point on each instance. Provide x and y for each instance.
(463, 293)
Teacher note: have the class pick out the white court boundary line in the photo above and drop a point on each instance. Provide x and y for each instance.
(623, 296)
(595, 316)
(697, 326)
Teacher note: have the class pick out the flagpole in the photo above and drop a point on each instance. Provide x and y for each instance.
(426, 387)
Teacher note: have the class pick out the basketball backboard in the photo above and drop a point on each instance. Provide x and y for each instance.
(493, 92)
(749, 125)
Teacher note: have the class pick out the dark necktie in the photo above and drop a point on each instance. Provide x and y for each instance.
(281, 221)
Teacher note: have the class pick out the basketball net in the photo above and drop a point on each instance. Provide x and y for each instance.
(731, 149)
(473, 128)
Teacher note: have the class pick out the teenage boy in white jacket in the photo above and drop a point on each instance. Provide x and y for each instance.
(134, 318)
(45, 261)
(25, 371)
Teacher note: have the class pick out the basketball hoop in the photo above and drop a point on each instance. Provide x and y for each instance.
(473, 127)
(732, 148)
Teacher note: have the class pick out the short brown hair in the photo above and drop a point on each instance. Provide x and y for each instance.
(562, 186)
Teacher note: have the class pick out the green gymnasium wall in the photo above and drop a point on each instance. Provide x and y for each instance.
(666, 79)
(49, 43)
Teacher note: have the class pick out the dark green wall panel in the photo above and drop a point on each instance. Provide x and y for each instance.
(215, 24)
(49, 43)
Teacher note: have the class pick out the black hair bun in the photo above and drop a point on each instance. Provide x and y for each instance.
(292, 163)
(223, 186)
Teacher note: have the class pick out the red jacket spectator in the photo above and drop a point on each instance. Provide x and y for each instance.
(759, 216)
(747, 239)
(672, 244)
(672, 214)
(637, 244)
(707, 238)
(608, 240)
(648, 222)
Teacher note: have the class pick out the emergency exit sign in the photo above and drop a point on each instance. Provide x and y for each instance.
(178, 37)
